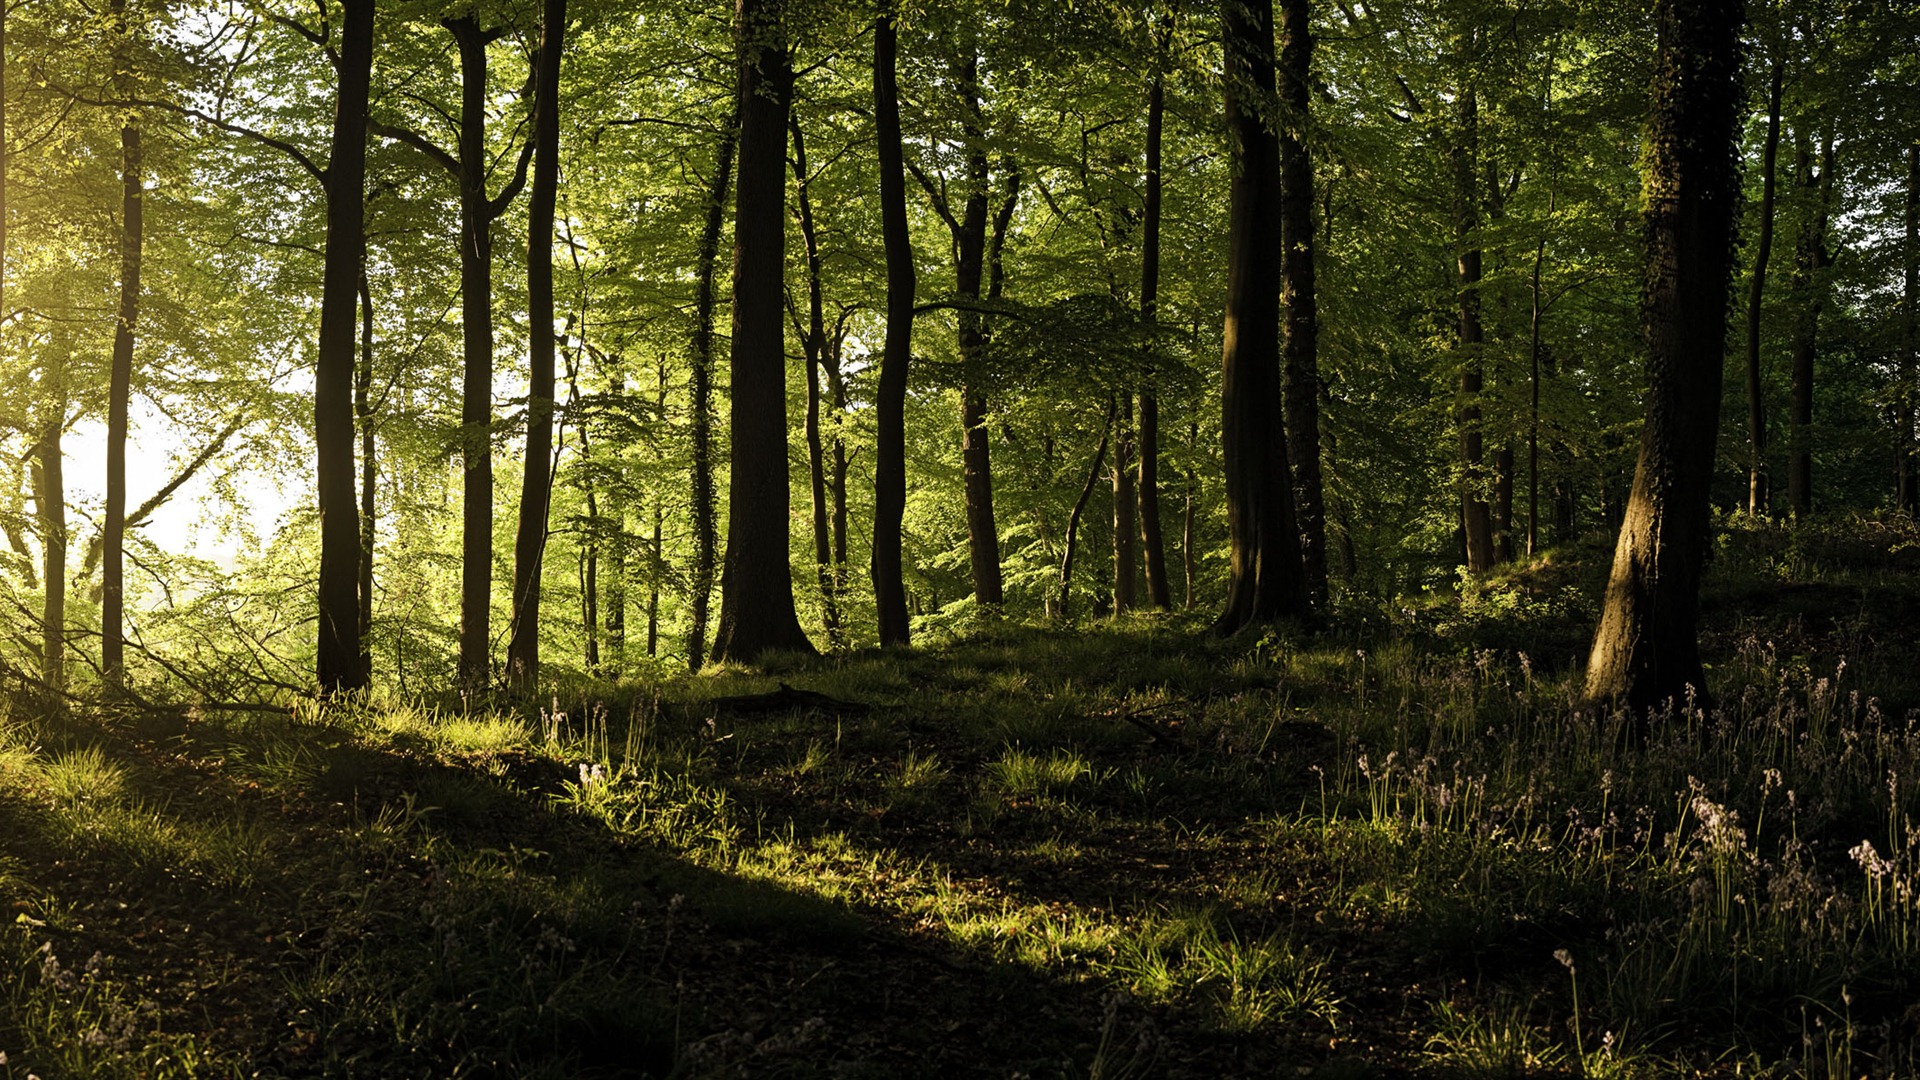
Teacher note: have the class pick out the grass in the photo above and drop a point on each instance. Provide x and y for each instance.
(1396, 848)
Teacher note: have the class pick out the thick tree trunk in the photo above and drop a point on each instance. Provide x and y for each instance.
(1646, 650)
(536, 487)
(369, 474)
(119, 390)
(1124, 505)
(970, 244)
(476, 325)
(1265, 581)
(1908, 481)
(700, 407)
(339, 664)
(756, 587)
(1073, 519)
(815, 347)
(1299, 304)
(1476, 517)
(890, 439)
(1757, 494)
(1809, 287)
(1153, 544)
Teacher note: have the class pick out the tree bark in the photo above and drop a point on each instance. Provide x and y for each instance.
(476, 324)
(536, 488)
(814, 344)
(1265, 579)
(756, 586)
(1908, 480)
(890, 440)
(1757, 494)
(1073, 519)
(1809, 287)
(120, 382)
(1646, 650)
(50, 500)
(700, 407)
(1152, 542)
(1124, 505)
(339, 665)
(369, 474)
(970, 242)
(1476, 517)
(1299, 303)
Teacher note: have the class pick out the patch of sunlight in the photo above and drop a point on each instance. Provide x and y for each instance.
(1246, 983)
(83, 775)
(1019, 773)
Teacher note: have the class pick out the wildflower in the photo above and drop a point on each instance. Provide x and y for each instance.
(1565, 958)
(1870, 860)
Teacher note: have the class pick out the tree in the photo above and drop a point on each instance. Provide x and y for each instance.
(338, 659)
(756, 585)
(120, 377)
(1646, 649)
(890, 440)
(536, 491)
(1152, 542)
(1301, 387)
(1265, 580)
(705, 540)
(1757, 494)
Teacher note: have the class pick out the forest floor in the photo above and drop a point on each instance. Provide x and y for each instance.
(1394, 847)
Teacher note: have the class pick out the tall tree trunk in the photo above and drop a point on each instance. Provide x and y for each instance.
(1908, 489)
(1503, 504)
(369, 474)
(1809, 288)
(476, 325)
(1124, 505)
(705, 539)
(1188, 568)
(1299, 303)
(536, 487)
(890, 439)
(970, 243)
(815, 347)
(1073, 519)
(1476, 517)
(50, 499)
(120, 382)
(1153, 544)
(1757, 494)
(653, 590)
(1265, 579)
(1646, 650)
(339, 665)
(756, 586)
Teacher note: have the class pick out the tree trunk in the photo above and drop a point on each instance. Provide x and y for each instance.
(1503, 504)
(1757, 494)
(1073, 519)
(653, 591)
(1476, 518)
(50, 499)
(1187, 567)
(1299, 304)
(1124, 505)
(476, 325)
(1908, 489)
(339, 665)
(119, 385)
(700, 408)
(1646, 650)
(1809, 288)
(890, 439)
(363, 416)
(1152, 543)
(756, 586)
(536, 487)
(815, 347)
(970, 242)
(1265, 579)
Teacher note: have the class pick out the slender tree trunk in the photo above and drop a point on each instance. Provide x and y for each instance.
(1265, 578)
(1757, 494)
(653, 589)
(1503, 504)
(590, 587)
(1299, 303)
(339, 664)
(1073, 519)
(1475, 515)
(476, 324)
(50, 499)
(1124, 506)
(983, 541)
(890, 439)
(815, 347)
(1187, 566)
(120, 383)
(1809, 287)
(1908, 489)
(369, 474)
(705, 538)
(536, 487)
(1152, 543)
(756, 586)
(1646, 650)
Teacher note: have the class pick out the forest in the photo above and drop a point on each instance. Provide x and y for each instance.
(1109, 538)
